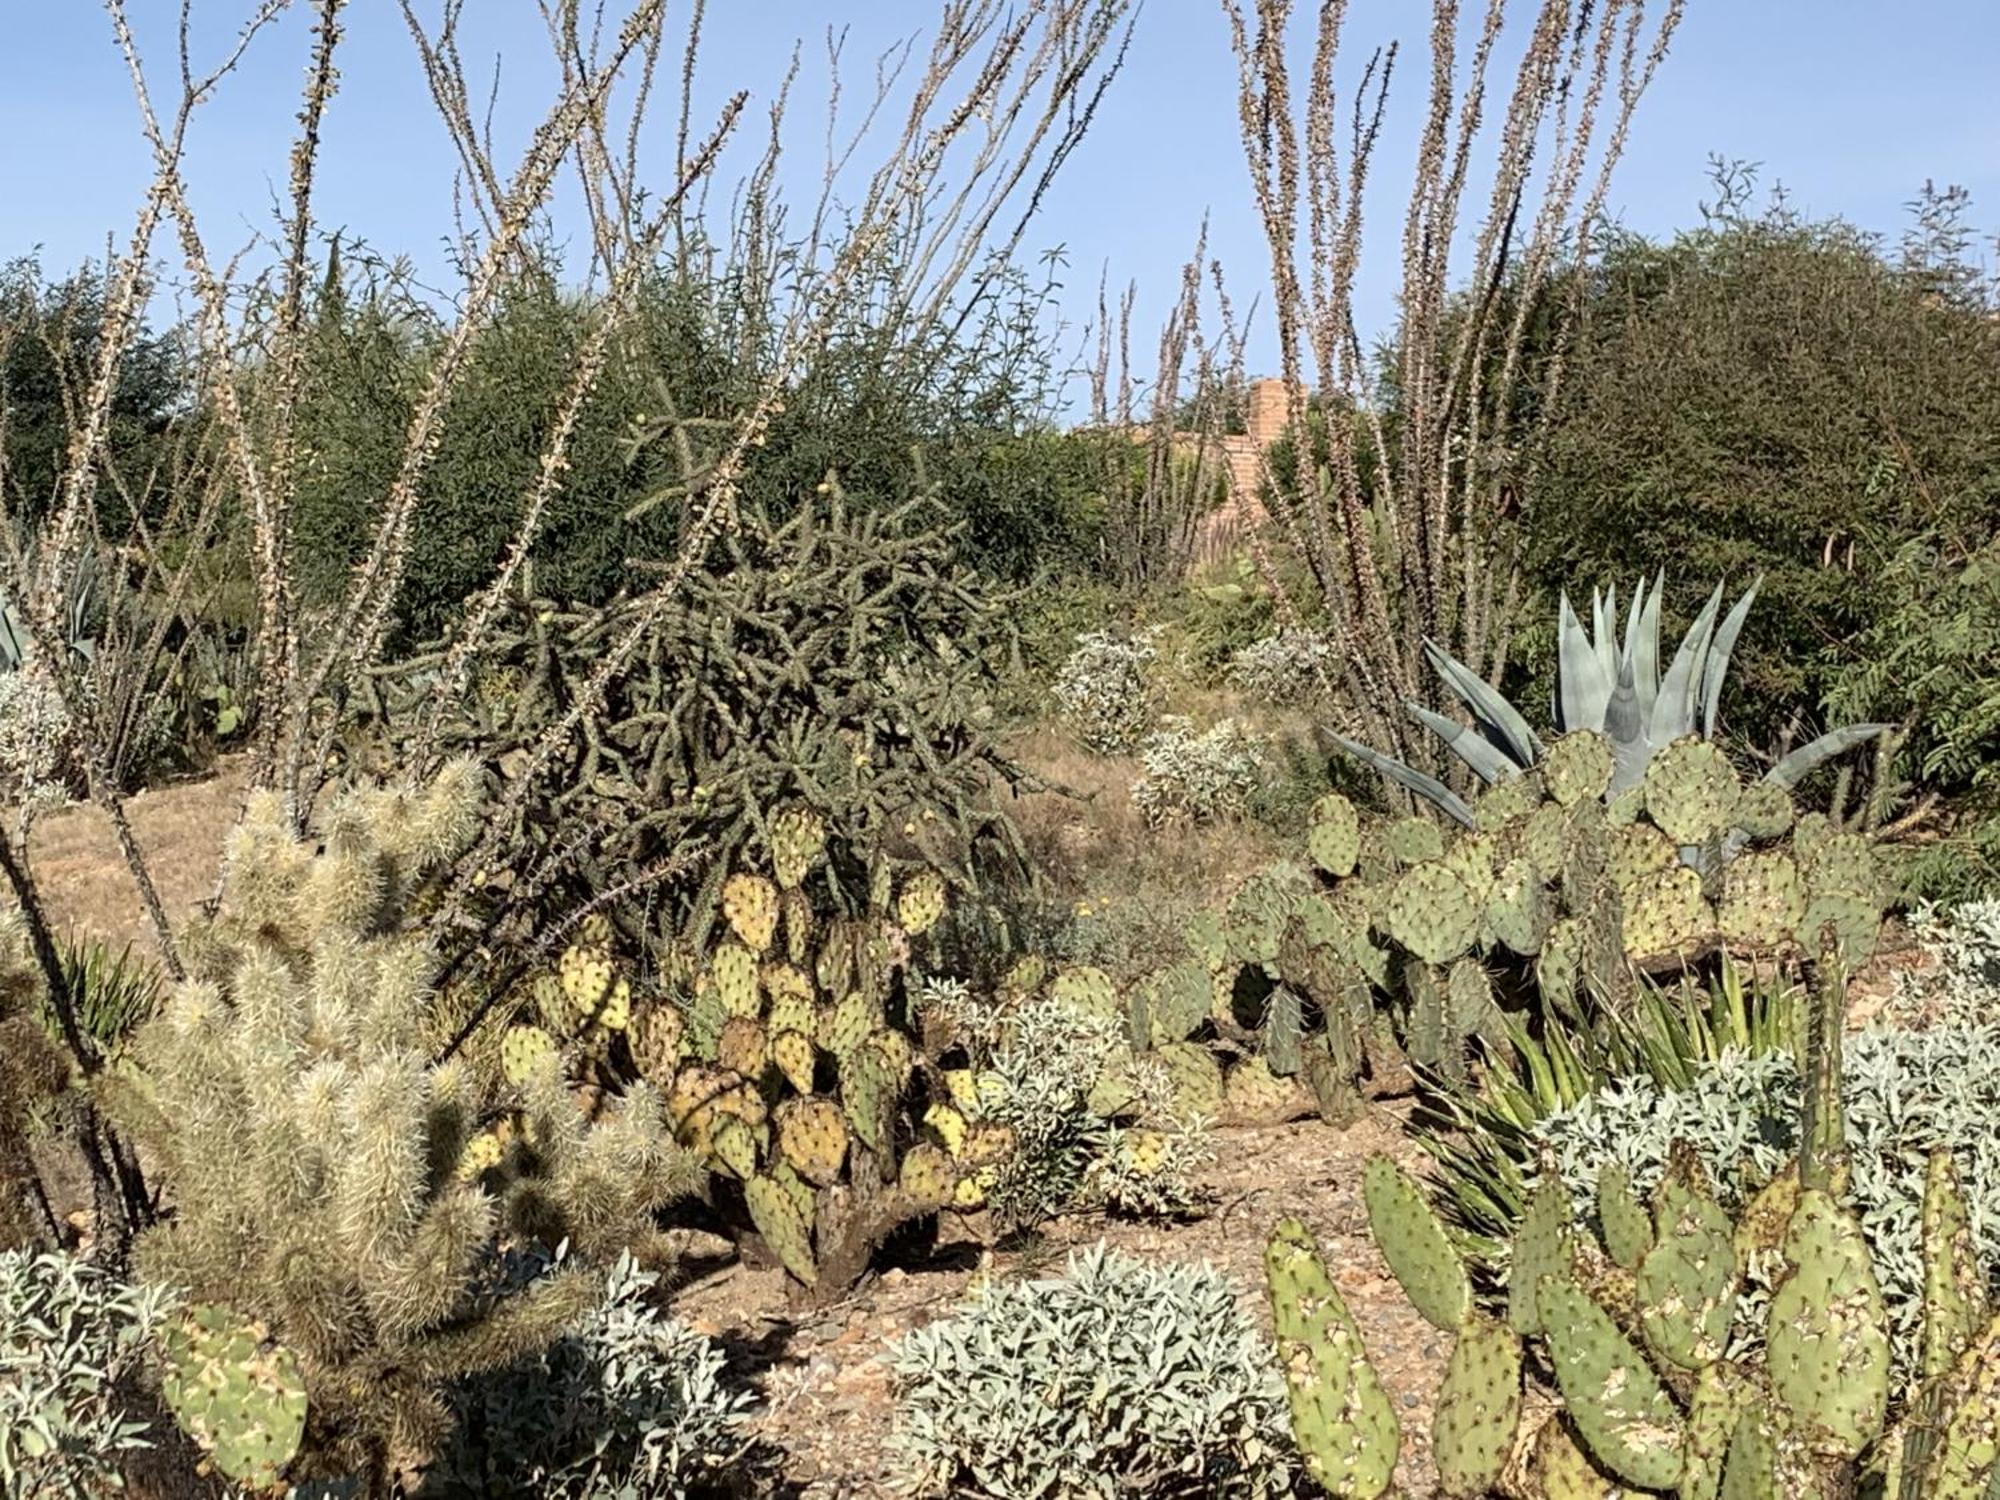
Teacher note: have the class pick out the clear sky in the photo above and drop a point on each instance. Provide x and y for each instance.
(1852, 104)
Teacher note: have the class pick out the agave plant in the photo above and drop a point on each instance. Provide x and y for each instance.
(1610, 685)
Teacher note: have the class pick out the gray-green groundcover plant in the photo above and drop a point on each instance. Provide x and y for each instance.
(630, 1405)
(1105, 690)
(72, 1338)
(1119, 1380)
(1907, 1094)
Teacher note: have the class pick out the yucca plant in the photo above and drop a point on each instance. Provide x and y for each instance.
(1481, 1130)
(1607, 682)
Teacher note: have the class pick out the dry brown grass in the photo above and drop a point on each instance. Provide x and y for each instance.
(88, 885)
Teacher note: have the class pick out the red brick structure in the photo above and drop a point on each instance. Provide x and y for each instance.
(1243, 453)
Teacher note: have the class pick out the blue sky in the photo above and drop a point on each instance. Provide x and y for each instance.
(1852, 104)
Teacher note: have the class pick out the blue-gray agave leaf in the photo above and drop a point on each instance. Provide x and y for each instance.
(1429, 788)
(1497, 719)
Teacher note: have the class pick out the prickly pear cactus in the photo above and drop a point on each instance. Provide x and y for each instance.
(240, 1396)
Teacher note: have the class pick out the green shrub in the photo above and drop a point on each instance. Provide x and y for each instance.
(73, 1343)
(630, 1404)
(1118, 1379)
(1289, 668)
(1197, 777)
(1106, 690)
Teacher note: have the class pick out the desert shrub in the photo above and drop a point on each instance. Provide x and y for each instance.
(1116, 1379)
(1105, 690)
(1767, 395)
(73, 1340)
(629, 1404)
(1287, 668)
(1196, 776)
(1039, 1081)
(37, 742)
(330, 1177)
(1959, 981)
(1906, 1094)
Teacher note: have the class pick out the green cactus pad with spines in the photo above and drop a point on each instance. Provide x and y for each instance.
(1965, 1460)
(523, 1049)
(1415, 1245)
(743, 1047)
(1750, 1471)
(1412, 841)
(1196, 1078)
(1623, 809)
(1809, 834)
(1626, 1418)
(1765, 810)
(1208, 940)
(1283, 1030)
(1342, 1417)
(1507, 800)
(847, 1025)
(1561, 1470)
(1559, 964)
(869, 1089)
(750, 906)
(1843, 860)
(1258, 910)
(1763, 900)
(1544, 839)
(1432, 1043)
(791, 1010)
(798, 840)
(239, 1395)
(795, 1056)
(1686, 1285)
(1177, 1003)
(812, 1138)
(1470, 1004)
(796, 915)
(1721, 1396)
(1254, 1095)
(1333, 835)
(1628, 1227)
(928, 1176)
(1430, 912)
(1637, 852)
(1474, 858)
(735, 1145)
(1665, 913)
(1518, 908)
(1692, 791)
(1478, 1408)
(733, 974)
(1954, 1288)
(658, 1038)
(775, 1213)
(1827, 1339)
(1114, 1094)
(920, 904)
(804, 1200)
(1855, 917)
(1586, 859)
(1578, 767)
(1089, 989)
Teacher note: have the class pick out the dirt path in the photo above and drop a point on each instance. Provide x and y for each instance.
(825, 1388)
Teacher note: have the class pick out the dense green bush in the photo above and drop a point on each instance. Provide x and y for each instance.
(1777, 396)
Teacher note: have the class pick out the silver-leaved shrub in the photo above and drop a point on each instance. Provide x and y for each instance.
(1196, 777)
(1907, 1093)
(72, 1342)
(1290, 667)
(630, 1405)
(1105, 690)
(1119, 1380)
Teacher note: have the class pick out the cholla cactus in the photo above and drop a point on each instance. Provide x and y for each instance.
(1610, 689)
(331, 1185)
(1105, 690)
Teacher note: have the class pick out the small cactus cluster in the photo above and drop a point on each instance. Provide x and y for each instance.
(1634, 1328)
(1389, 949)
(790, 1058)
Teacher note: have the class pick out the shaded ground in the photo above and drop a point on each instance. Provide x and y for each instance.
(826, 1389)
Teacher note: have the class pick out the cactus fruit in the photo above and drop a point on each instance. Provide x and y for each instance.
(750, 905)
(1620, 1408)
(1828, 1337)
(240, 1396)
(798, 840)
(1431, 912)
(920, 904)
(1342, 1416)
(1478, 1408)
(1578, 767)
(1414, 1244)
(775, 1212)
(1333, 835)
